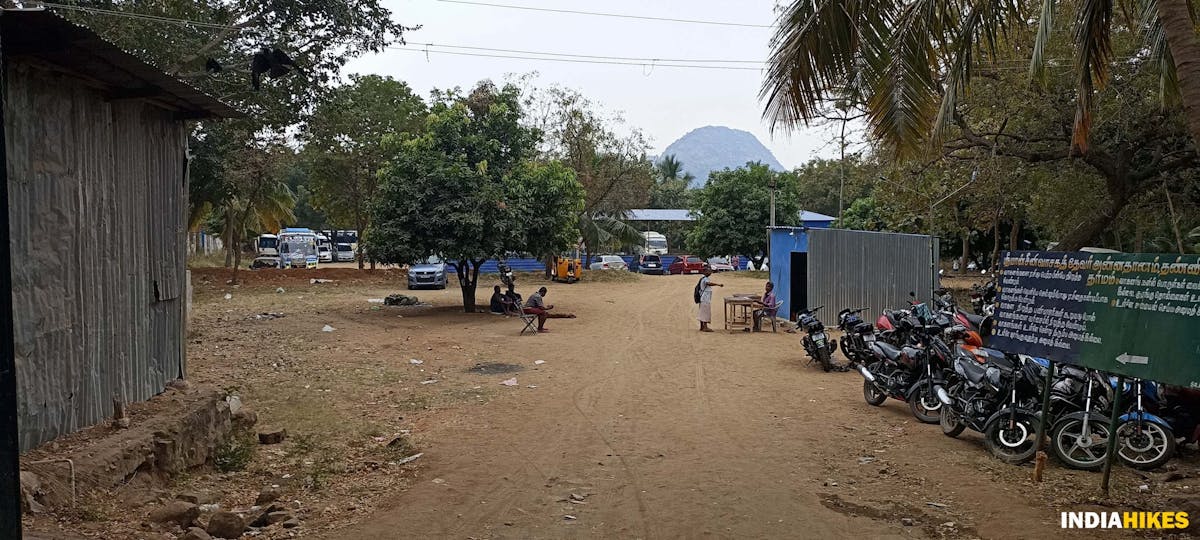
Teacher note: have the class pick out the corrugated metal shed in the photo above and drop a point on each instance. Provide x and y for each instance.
(96, 151)
(659, 214)
(839, 268)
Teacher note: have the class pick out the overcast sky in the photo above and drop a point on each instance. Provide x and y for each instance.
(664, 102)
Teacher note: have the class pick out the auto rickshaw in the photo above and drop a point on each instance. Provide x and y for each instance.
(567, 269)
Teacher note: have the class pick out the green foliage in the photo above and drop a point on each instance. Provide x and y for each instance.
(236, 454)
(344, 144)
(319, 35)
(670, 187)
(861, 216)
(465, 188)
(734, 209)
(822, 183)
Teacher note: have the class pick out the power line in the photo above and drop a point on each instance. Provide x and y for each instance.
(575, 60)
(600, 57)
(140, 16)
(617, 15)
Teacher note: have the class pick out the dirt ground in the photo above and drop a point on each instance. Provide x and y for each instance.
(624, 422)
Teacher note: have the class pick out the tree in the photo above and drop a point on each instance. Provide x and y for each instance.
(671, 184)
(913, 61)
(734, 209)
(318, 35)
(343, 144)
(823, 186)
(466, 190)
(612, 167)
(861, 216)
(257, 194)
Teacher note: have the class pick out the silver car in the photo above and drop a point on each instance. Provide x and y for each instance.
(609, 262)
(429, 273)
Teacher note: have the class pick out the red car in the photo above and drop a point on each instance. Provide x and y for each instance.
(686, 264)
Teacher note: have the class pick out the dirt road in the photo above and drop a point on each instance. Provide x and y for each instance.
(666, 432)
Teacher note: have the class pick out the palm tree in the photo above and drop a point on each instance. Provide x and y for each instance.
(670, 168)
(910, 61)
(599, 231)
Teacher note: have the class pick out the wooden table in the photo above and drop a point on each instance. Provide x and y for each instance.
(739, 310)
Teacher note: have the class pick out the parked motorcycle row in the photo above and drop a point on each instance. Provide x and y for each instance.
(931, 355)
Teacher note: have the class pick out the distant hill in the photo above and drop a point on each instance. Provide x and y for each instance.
(713, 148)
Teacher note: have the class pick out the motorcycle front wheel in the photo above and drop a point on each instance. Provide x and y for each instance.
(1012, 440)
(1069, 445)
(951, 425)
(924, 404)
(1149, 447)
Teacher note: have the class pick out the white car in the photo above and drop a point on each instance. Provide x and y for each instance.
(343, 253)
(324, 254)
(609, 262)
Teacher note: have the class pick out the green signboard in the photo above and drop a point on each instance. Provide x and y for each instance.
(1131, 314)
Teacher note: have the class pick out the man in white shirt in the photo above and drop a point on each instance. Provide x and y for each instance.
(706, 285)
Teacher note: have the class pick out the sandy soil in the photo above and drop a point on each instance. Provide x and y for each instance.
(658, 430)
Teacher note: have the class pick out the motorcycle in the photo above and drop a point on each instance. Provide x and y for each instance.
(506, 273)
(1145, 440)
(999, 399)
(983, 298)
(910, 373)
(1079, 432)
(857, 335)
(816, 343)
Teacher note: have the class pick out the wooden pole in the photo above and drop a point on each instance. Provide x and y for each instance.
(1043, 419)
(10, 447)
(1111, 452)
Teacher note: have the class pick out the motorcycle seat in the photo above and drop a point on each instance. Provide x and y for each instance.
(864, 328)
(973, 371)
(975, 320)
(887, 350)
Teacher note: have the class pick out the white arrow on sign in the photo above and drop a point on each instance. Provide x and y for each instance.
(1127, 358)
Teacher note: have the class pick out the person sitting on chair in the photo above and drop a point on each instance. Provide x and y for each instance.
(767, 307)
(536, 305)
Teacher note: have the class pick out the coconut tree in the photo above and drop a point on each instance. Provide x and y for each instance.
(910, 60)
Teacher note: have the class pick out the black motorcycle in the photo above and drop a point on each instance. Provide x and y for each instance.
(1079, 399)
(983, 298)
(857, 335)
(910, 373)
(816, 342)
(999, 399)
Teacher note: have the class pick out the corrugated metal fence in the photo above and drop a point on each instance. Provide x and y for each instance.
(853, 269)
(98, 195)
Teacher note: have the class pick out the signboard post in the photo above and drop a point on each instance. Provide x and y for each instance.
(1136, 315)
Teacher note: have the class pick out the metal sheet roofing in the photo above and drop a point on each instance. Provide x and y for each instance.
(48, 38)
(657, 214)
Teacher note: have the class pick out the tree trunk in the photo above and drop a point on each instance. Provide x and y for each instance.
(1014, 235)
(466, 284)
(995, 242)
(549, 265)
(1185, 51)
(1174, 220)
(1090, 230)
(966, 249)
(237, 259)
(358, 222)
(228, 237)
(1139, 238)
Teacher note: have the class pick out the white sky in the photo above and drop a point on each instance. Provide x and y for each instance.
(664, 102)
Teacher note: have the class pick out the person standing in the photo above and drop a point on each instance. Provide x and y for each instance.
(705, 288)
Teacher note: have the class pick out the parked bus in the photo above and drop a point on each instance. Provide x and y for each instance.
(298, 248)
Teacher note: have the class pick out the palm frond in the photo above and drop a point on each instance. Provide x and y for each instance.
(1037, 63)
(1094, 52)
(1160, 53)
(982, 25)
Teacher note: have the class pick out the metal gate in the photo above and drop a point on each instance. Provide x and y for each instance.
(875, 270)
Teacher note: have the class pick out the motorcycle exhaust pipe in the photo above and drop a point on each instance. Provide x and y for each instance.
(866, 373)
(942, 395)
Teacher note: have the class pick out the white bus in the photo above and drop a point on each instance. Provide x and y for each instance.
(298, 248)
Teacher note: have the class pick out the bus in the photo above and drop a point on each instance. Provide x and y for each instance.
(298, 248)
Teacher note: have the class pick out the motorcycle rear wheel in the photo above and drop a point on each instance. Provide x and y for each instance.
(1013, 445)
(1064, 442)
(924, 404)
(951, 425)
(1150, 449)
(823, 356)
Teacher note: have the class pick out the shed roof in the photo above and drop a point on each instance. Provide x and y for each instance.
(656, 214)
(46, 37)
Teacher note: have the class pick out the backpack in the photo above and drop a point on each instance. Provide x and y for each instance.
(696, 293)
